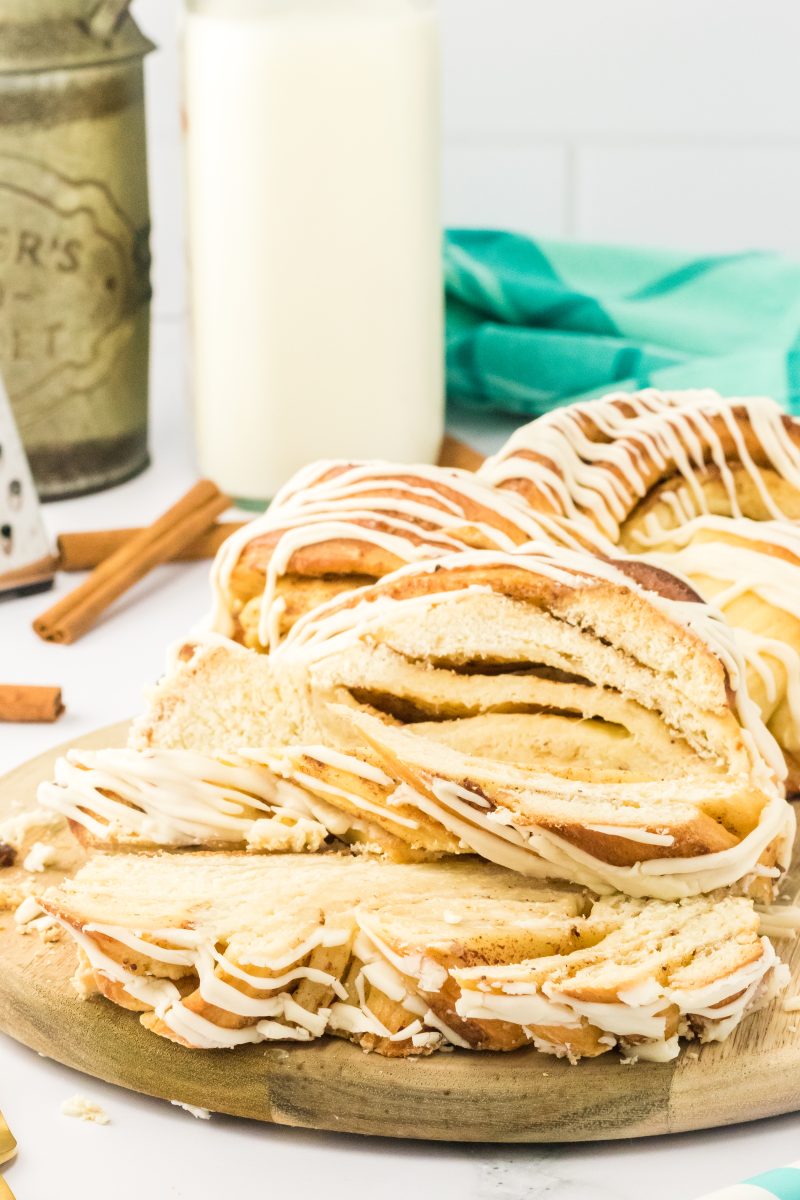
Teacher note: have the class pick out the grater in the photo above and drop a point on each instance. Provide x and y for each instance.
(27, 563)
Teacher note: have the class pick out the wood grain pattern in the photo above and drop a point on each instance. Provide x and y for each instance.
(519, 1097)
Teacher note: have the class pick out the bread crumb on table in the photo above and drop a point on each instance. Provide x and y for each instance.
(30, 917)
(16, 830)
(85, 1110)
(201, 1113)
(12, 894)
(29, 910)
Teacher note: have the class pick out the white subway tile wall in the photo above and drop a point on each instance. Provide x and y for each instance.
(608, 120)
(509, 187)
(569, 69)
(706, 197)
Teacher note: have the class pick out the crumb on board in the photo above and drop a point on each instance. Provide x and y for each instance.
(791, 1004)
(16, 830)
(30, 917)
(29, 910)
(39, 857)
(201, 1113)
(85, 1110)
(12, 894)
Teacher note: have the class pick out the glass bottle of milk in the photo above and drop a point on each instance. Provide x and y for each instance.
(312, 163)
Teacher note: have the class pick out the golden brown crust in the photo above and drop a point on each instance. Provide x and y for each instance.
(540, 590)
(701, 835)
(317, 568)
(649, 468)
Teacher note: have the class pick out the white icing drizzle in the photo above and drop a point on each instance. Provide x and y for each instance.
(333, 758)
(533, 1009)
(653, 535)
(542, 854)
(288, 764)
(430, 975)
(638, 1012)
(621, 1019)
(405, 979)
(644, 836)
(772, 578)
(779, 920)
(369, 948)
(180, 798)
(658, 1051)
(720, 998)
(418, 521)
(667, 429)
(579, 477)
(361, 802)
(274, 1017)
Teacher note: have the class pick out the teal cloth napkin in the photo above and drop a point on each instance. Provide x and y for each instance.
(532, 325)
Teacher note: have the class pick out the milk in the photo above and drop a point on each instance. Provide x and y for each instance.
(312, 159)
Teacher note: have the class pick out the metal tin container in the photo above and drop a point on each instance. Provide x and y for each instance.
(74, 230)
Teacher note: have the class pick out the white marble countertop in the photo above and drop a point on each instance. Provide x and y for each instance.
(152, 1149)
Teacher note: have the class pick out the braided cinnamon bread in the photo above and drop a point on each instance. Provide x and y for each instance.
(219, 950)
(178, 785)
(617, 462)
(543, 710)
(705, 486)
(145, 799)
(253, 800)
(336, 526)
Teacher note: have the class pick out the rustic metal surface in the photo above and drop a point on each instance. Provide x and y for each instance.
(74, 230)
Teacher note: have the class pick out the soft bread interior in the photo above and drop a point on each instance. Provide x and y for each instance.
(599, 635)
(693, 968)
(517, 712)
(686, 479)
(675, 816)
(583, 710)
(222, 696)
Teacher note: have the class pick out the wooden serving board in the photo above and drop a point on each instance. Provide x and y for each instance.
(460, 1096)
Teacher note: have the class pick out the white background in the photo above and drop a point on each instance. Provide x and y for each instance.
(677, 124)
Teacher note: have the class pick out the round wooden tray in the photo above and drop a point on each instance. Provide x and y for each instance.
(519, 1097)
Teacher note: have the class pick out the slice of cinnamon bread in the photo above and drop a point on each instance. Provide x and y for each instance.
(217, 950)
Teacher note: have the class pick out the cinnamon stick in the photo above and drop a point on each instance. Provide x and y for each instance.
(23, 702)
(74, 614)
(455, 453)
(83, 551)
